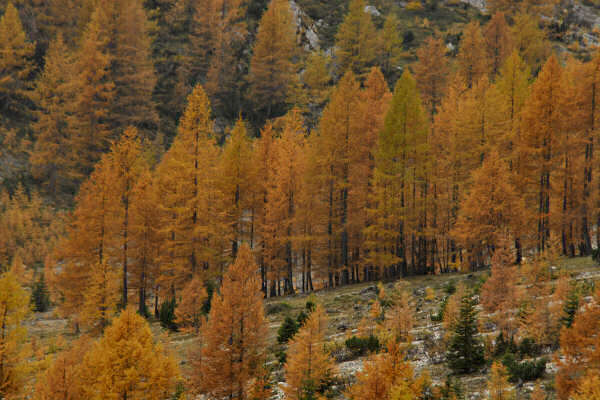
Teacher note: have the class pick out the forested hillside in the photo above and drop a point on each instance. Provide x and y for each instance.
(174, 163)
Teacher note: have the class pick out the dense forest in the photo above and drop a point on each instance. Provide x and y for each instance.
(181, 161)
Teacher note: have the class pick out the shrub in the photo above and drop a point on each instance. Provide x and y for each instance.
(166, 314)
(439, 316)
(360, 346)
(408, 37)
(287, 330)
(528, 348)
(525, 370)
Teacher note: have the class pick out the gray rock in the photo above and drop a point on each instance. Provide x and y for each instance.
(373, 11)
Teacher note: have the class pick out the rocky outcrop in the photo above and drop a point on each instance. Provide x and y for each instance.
(306, 29)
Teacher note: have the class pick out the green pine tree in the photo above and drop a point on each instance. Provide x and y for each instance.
(570, 308)
(465, 353)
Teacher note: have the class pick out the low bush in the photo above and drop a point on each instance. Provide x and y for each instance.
(524, 371)
(360, 346)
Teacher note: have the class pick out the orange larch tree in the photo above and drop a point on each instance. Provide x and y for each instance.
(579, 345)
(189, 311)
(541, 128)
(235, 167)
(146, 238)
(234, 337)
(62, 379)
(14, 308)
(16, 71)
(498, 41)
(126, 157)
(272, 71)
(491, 211)
(308, 364)
(431, 72)
(387, 376)
(472, 59)
(188, 197)
(127, 363)
(50, 160)
(89, 241)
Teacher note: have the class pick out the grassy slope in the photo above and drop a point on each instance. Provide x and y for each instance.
(345, 307)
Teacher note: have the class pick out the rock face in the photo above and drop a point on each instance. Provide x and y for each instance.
(306, 29)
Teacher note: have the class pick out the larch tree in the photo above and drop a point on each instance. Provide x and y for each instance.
(235, 184)
(399, 319)
(16, 70)
(202, 34)
(272, 71)
(498, 41)
(51, 159)
(511, 90)
(390, 47)
(283, 190)
(100, 297)
(89, 127)
(490, 211)
(530, 40)
(339, 145)
(126, 157)
(472, 59)
(499, 294)
(223, 77)
(509, 94)
(132, 67)
(263, 160)
(356, 40)
(146, 237)
(234, 337)
(498, 385)
(187, 193)
(114, 80)
(88, 242)
(308, 364)
(588, 86)
(375, 100)
(541, 128)
(189, 311)
(431, 72)
(578, 346)
(387, 376)
(127, 363)
(14, 308)
(62, 379)
(316, 77)
(173, 35)
(397, 235)
(588, 389)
